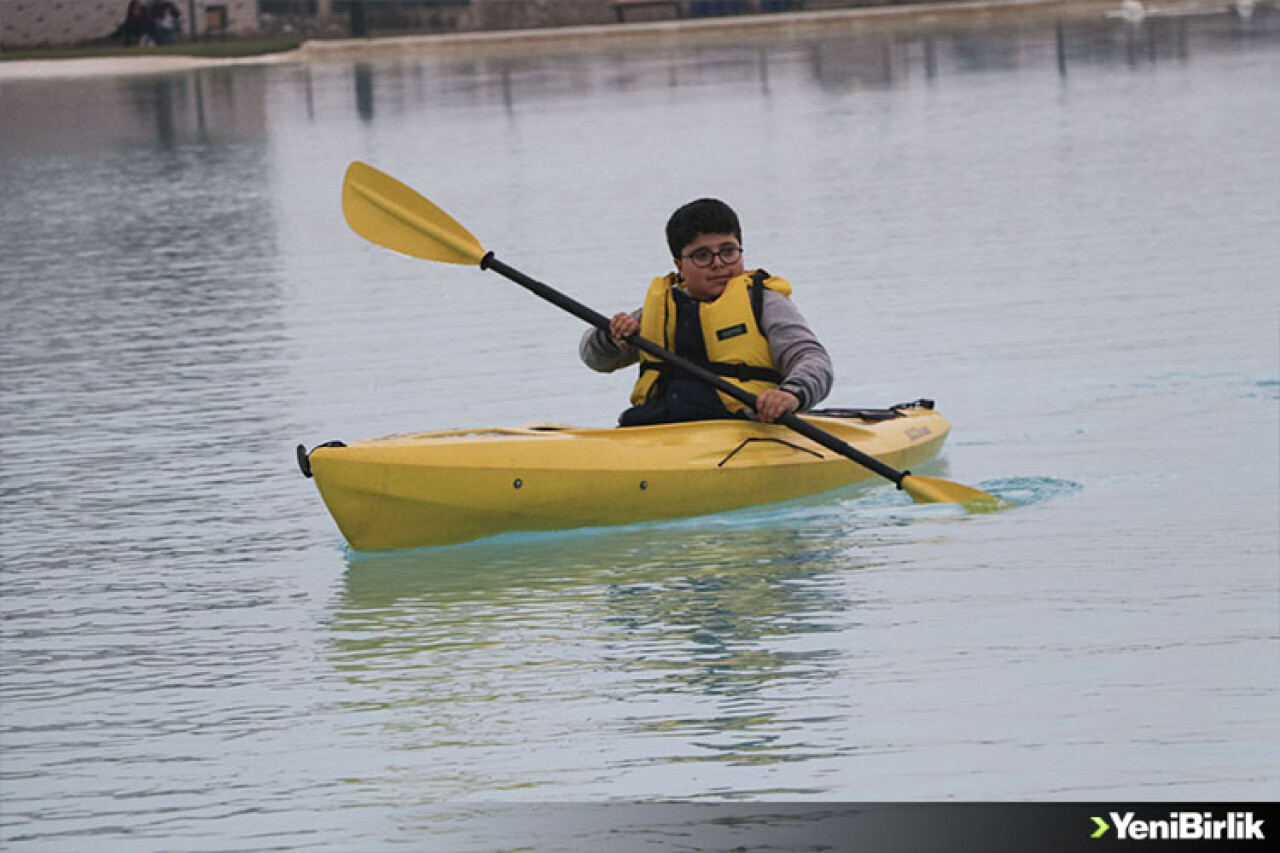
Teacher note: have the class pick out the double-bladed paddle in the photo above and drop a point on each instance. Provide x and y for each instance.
(385, 211)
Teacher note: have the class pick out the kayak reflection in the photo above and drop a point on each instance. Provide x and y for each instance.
(705, 639)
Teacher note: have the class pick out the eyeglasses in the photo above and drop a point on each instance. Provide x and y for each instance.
(728, 254)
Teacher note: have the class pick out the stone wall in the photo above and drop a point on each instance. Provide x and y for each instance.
(360, 18)
(35, 23)
(524, 14)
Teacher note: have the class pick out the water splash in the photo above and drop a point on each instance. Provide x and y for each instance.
(1027, 491)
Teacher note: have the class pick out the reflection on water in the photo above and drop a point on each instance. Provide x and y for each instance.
(140, 331)
(705, 640)
(141, 315)
(695, 636)
(230, 103)
(57, 117)
(364, 90)
(878, 57)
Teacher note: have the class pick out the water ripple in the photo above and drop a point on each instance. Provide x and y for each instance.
(1028, 491)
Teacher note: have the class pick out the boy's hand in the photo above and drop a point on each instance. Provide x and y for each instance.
(621, 327)
(774, 403)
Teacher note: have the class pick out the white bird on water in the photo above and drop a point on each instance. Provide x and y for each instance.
(1243, 9)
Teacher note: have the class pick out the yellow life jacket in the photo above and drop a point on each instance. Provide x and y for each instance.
(736, 347)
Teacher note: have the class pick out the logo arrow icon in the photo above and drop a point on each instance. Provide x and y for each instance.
(1102, 828)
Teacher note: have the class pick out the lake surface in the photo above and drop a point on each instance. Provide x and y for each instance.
(1065, 235)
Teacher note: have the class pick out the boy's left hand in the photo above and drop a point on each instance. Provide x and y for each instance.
(774, 403)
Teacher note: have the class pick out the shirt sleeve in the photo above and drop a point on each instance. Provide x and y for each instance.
(598, 351)
(800, 357)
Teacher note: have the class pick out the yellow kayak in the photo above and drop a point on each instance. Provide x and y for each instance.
(437, 488)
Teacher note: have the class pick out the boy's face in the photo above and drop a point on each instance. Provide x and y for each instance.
(707, 283)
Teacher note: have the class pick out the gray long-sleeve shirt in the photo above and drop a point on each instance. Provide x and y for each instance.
(797, 354)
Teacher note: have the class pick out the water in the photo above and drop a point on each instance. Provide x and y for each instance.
(1074, 252)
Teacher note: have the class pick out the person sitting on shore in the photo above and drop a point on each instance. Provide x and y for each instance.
(166, 22)
(740, 325)
(136, 25)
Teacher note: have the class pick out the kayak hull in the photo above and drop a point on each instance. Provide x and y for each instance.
(439, 488)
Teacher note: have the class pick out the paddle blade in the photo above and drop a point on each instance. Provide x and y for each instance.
(384, 211)
(931, 490)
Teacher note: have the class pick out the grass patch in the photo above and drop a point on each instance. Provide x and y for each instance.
(221, 49)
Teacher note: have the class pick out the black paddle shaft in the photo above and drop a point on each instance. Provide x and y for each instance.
(595, 318)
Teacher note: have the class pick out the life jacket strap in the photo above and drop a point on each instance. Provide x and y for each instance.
(741, 372)
(758, 278)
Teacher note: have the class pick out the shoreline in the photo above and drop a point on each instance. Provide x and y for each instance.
(789, 23)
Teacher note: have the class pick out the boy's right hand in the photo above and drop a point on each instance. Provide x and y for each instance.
(621, 327)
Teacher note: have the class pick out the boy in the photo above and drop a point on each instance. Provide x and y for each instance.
(741, 325)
